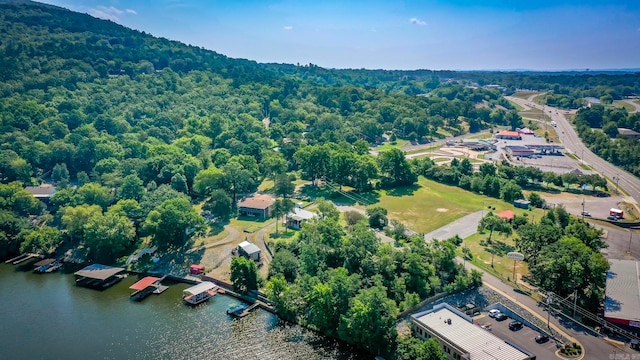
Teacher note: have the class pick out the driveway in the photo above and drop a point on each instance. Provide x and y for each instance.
(463, 227)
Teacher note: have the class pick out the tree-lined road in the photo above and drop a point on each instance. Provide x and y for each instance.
(572, 142)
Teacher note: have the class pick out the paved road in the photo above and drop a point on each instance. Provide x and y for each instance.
(634, 104)
(595, 347)
(627, 181)
(463, 227)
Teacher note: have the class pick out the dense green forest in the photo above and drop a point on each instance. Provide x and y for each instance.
(126, 124)
(133, 130)
(598, 129)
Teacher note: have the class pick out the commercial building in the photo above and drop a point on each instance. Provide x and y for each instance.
(460, 338)
(509, 135)
(592, 101)
(519, 151)
(622, 294)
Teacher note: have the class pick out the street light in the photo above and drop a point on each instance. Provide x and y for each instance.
(630, 236)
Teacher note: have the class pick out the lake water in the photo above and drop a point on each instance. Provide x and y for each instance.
(45, 316)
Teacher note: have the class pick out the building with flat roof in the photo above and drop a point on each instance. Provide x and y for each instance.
(509, 135)
(460, 338)
(622, 294)
(592, 101)
(519, 151)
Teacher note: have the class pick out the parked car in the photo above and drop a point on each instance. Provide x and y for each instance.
(493, 313)
(515, 325)
(585, 213)
(612, 217)
(501, 317)
(542, 338)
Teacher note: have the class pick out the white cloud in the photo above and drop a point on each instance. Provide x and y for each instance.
(417, 21)
(288, 28)
(106, 13)
(109, 12)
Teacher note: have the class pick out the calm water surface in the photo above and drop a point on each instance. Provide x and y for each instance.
(45, 316)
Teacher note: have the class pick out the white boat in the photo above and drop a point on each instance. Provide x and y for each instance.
(200, 293)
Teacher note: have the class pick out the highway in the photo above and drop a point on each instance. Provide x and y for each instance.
(572, 142)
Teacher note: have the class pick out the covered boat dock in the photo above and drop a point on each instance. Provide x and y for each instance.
(146, 286)
(200, 293)
(98, 276)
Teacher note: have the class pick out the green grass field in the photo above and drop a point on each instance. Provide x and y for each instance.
(390, 145)
(523, 95)
(423, 150)
(430, 205)
(619, 103)
(249, 224)
(502, 266)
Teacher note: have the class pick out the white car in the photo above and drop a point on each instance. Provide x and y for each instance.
(493, 313)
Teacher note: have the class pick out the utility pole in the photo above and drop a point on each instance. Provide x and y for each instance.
(575, 300)
(630, 236)
(582, 209)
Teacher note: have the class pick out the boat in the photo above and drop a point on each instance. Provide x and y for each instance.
(200, 293)
(237, 310)
(54, 267)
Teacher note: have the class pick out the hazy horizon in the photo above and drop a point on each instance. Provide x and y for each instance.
(462, 35)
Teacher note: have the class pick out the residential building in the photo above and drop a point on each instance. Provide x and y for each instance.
(259, 206)
(296, 217)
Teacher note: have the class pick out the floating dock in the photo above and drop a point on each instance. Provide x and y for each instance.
(21, 258)
(241, 311)
(47, 265)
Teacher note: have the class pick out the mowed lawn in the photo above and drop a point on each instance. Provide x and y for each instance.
(501, 245)
(430, 205)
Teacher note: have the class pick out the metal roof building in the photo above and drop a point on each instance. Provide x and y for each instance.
(622, 301)
(460, 338)
(249, 250)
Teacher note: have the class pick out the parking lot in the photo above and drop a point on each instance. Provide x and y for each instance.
(523, 338)
(559, 163)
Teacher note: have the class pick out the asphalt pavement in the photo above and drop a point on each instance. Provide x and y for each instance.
(595, 347)
(571, 141)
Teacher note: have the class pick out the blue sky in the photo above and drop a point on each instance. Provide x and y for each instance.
(410, 34)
